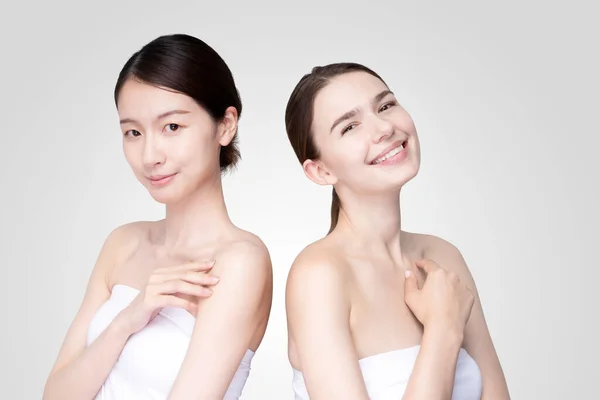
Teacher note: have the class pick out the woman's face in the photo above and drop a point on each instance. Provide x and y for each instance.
(366, 140)
(171, 143)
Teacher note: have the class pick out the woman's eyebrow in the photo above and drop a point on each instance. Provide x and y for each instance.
(163, 115)
(354, 111)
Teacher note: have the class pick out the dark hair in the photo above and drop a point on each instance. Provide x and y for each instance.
(299, 116)
(187, 65)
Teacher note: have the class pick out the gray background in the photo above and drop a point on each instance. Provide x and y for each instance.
(505, 98)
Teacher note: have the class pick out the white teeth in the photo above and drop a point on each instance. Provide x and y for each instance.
(389, 154)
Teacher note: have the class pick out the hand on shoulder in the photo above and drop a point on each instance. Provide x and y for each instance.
(477, 340)
(449, 257)
(243, 266)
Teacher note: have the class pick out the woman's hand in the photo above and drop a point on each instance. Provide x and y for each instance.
(178, 286)
(443, 301)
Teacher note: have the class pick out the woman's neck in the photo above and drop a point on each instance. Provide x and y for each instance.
(373, 223)
(200, 218)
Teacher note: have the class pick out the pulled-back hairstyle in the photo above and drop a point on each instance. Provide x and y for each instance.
(299, 115)
(188, 65)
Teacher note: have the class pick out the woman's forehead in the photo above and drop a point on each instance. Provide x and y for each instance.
(344, 93)
(141, 98)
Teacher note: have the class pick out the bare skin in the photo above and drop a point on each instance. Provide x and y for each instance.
(376, 318)
(171, 262)
(129, 257)
(149, 255)
(348, 295)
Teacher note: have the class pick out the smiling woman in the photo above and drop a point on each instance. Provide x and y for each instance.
(392, 314)
(158, 123)
(174, 308)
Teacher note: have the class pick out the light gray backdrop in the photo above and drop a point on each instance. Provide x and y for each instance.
(505, 98)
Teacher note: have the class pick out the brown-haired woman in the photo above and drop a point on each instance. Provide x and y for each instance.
(154, 324)
(374, 311)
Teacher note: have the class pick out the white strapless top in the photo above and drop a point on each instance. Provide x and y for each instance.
(386, 376)
(152, 357)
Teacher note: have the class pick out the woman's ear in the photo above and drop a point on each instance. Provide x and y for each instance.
(316, 172)
(228, 126)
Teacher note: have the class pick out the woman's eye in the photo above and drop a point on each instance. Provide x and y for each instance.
(172, 127)
(132, 133)
(348, 128)
(386, 106)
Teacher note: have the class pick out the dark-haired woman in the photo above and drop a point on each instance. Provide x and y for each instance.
(174, 308)
(375, 312)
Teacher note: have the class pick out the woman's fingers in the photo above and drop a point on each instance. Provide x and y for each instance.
(411, 287)
(199, 266)
(427, 265)
(180, 286)
(410, 283)
(183, 287)
(166, 300)
(198, 278)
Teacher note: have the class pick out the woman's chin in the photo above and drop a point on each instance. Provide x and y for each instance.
(405, 176)
(165, 197)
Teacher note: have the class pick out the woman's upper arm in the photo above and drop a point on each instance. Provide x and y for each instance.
(318, 318)
(97, 292)
(477, 340)
(226, 323)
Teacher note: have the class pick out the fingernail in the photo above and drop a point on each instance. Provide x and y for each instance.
(214, 279)
(406, 274)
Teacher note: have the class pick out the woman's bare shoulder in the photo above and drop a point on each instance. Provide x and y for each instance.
(427, 245)
(317, 284)
(433, 246)
(323, 251)
(243, 243)
(445, 253)
(135, 228)
(243, 252)
(123, 241)
(319, 263)
(128, 236)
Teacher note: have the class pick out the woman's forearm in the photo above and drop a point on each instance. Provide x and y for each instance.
(432, 377)
(83, 377)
